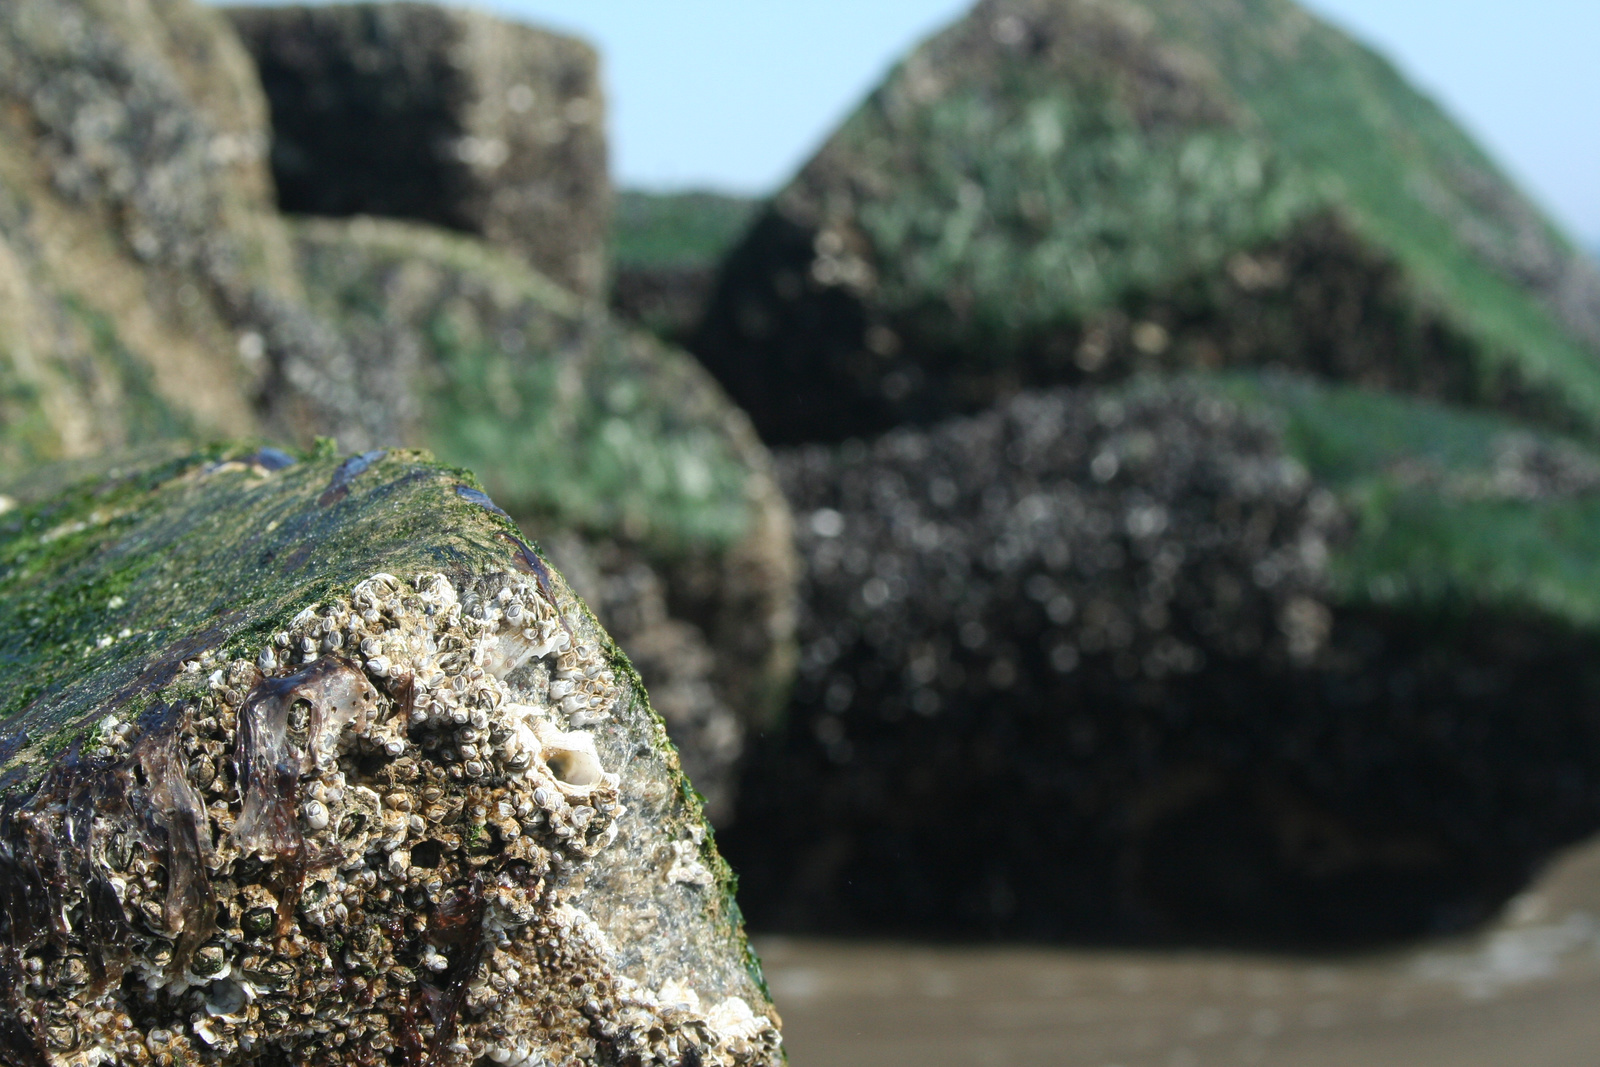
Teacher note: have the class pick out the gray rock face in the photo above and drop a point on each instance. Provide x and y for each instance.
(633, 600)
(444, 116)
(1112, 664)
(149, 290)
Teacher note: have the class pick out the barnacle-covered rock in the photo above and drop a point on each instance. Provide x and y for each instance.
(622, 445)
(446, 116)
(1245, 657)
(317, 762)
(147, 287)
(1054, 191)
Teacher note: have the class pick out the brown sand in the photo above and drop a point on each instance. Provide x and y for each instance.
(1525, 993)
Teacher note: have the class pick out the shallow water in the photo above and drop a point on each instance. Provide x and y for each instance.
(1526, 992)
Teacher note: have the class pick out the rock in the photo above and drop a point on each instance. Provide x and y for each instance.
(147, 287)
(444, 116)
(665, 248)
(580, 427)
(1061, 191)
(632, 599)
(318, 760)
(1242, 658)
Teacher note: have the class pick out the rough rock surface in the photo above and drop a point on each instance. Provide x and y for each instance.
(673, 655)
(1055, 191)
(317, 762)
(1246, 659)
(451, 117)
(582, 427)
(147, 287)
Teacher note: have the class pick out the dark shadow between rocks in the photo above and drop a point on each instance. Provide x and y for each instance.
(1406, 786)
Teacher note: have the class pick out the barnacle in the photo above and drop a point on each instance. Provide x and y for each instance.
(352, 851)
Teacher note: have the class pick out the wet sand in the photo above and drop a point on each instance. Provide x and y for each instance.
(1526, 992)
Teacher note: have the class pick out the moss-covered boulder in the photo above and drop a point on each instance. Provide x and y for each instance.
(147, 288)
(665, 249)
(1064, 190)
(317, 761)
(1246, 658)
(582, 427)
(446, 116)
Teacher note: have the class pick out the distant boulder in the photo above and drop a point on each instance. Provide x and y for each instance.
(147, 287)
(1242, 658)
(1062, 191)
(440, 115)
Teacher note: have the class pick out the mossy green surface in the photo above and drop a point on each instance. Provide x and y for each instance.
(110, 586)
(676, 230)
(568, 417)
(1407, 176)
(1039, 195)
(1449, 509)
(146, 414)
(1044, 175)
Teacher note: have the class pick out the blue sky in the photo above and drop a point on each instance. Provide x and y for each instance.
(734, 94)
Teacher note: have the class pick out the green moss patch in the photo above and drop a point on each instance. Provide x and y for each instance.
(568, 417)
(108, 589)
(1449, 509)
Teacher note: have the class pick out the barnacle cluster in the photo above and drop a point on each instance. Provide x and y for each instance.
(351, 851)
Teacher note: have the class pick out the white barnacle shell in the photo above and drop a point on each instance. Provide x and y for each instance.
(316, 815)
(570, 758)
(436, 589)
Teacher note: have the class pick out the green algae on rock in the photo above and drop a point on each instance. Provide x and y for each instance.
(1255, 658)
(577, 426)
(316, 761)
(1054, 191)
(543, 396)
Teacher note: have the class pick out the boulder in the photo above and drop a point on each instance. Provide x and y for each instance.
(618, 451)
(147, 287)
(450, 117)
(315, 760)
(1245, 658)
(1064, 191)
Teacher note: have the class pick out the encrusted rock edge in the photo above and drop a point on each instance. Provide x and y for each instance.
(430, 820)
